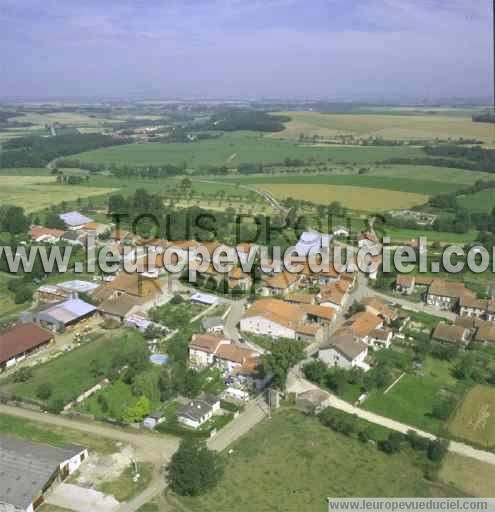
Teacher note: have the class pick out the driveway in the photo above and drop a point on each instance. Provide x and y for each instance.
(79, 499)
(255, 411)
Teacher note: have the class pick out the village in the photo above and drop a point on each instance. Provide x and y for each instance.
(233, 335)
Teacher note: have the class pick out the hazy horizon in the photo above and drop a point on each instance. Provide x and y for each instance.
(378, 50)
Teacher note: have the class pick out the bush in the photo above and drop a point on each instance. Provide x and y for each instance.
(23, 294)
(364, 436)
(44, 391)
(437, 450)
(23, 375)
(392, 444)
(176, 299)
(55, 406)
(416, 441)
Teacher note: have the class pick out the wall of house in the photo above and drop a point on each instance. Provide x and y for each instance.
(265, 327)
(333, 358)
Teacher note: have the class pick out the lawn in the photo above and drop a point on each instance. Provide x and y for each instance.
(235, 148)
(37, 192)
(118, 396)
(293, 463)
(412, 399)
(50, 434)
(474, 419)
(353, 197)
(72, 373)
(387, 126)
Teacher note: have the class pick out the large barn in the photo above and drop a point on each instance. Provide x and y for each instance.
(28, 470)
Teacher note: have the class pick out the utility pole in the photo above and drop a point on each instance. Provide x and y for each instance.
(493, 44)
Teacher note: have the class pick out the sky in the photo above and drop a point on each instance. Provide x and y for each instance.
(329, 49)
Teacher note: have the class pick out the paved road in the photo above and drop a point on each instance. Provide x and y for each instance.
(233, 318)
(298, 383)
(256, 411)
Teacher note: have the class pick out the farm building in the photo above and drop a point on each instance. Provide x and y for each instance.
(282, 283)
(77, 286)
(133, 284)
(47, 235)
(29, 469)
(213, 324)
(73, 237)
(75, 220)
(117, 308)
(446, 294)
(377, 307)
(51, 293)
(95, 228)
(204, 298)
(363, 324)
(480, 308)
(57, 316)
(20, 341)
(334, 295)
(452, 334)
(405, 284)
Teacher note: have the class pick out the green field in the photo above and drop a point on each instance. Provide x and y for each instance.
(412, 399)
(483, 201)
(233, 149)
(292, 463)
(404, 235)
(38, 192)
(393, 126)
(51, 434)
(71, 373)
(474, 420)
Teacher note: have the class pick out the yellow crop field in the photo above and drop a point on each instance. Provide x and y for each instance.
(356, 198)
(38, 192)
(475, 418)
(396, 127)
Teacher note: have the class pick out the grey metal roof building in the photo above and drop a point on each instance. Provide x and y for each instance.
(28, 469)
(59, 314)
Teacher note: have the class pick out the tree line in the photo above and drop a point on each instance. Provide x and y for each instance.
(39, 151)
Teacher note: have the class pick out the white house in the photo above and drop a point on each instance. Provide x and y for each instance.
(197, 412)
(278, 319)
(344, 351)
